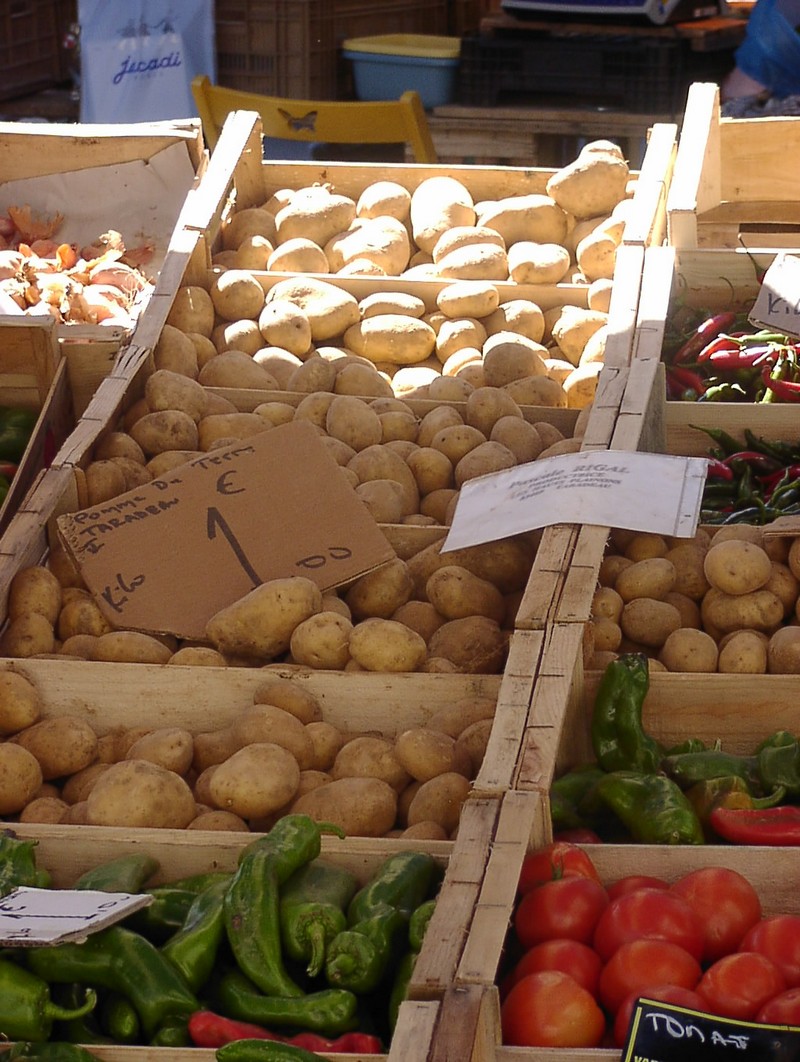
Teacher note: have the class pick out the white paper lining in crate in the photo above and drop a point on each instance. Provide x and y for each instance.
(111, 283)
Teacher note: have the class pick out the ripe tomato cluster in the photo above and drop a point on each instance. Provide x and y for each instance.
(582, 952)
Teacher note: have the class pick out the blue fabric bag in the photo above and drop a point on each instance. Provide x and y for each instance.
(770, 52)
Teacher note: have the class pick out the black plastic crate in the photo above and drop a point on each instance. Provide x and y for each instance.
(643, 74)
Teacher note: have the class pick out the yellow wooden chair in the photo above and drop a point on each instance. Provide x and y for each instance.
(401, 121)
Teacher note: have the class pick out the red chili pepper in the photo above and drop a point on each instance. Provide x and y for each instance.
(785, 390)
(207, 1029)
(719, 470)
(686, 378)
(723, 344)
(765, 826)
(755, 459)
(749, 357)
(703, 334)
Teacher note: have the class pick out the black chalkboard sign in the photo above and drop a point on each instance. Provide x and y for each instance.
(662, 1032)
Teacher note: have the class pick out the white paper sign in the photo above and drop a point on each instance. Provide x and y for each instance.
(611, 488)
(778, 302)
(29, 917)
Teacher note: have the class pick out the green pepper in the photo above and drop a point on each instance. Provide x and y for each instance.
(119, 1019)
(778, 759)
(128, 873)
(418, 923)
(122, 961)
(83, 1030)
(53, 1051)
(329, 1011)
(689, 745)
(359, 957)
(173, 1033)
(264, 1051)
(652, 807)
(689, 768)
(571, 805)
(252, 902)
(193, 949)
(618, 737)
(171, 905)
(17, 863)
(405, 968)
(16, 428)
(27, 1011)
(313, 905)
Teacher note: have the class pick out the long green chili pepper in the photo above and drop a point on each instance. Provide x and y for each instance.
(329, 1011)
(119, 1018)
(618, 738)
(193, 949)
(252, 903)
(27, 1011)
(688, 768)
(313, 906)
(778, 758)
(653, 808)
(128, 873)
(122, 961)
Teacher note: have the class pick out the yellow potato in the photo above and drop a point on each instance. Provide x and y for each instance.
(62, 744)
(362, 807)
(255, 781)
(261, 623)
(136, 793)
(20, 777)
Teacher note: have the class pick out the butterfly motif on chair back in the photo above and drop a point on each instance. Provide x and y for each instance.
(307, 121)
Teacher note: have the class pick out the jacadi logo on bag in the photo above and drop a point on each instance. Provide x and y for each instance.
(148, 60)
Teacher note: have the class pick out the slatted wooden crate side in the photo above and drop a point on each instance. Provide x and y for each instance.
(697, 178)
(414, 1032)
(648, 221)
(465, 1029)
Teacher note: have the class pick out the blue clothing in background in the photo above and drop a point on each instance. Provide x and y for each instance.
(770, 52)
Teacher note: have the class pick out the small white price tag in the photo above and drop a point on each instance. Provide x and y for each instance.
(29, 917)
(610, 488)
(778, 302)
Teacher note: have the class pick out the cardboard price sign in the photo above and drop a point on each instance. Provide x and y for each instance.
(30, 917)
(662, 1032)
(165, 557)
(778, 303)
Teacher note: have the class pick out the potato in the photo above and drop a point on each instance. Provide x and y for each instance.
(322, 641)
(454, 718)
(211, 747)
(426, 753)
(438, 204)
(114, 744)
(468, 298)
(481, 460)
(455, 592)
(380, 462)
(218, 821)
(649, 622)
(391, 337)
(20, 702)
(475, 644)
(175, 351)
(361, 807)
(171, 747)
(291, 696)
(138, 793)
(44, 809)
(298, 255)
(249, 221)
(236, 295)
(378, 644)
(261, 623)
(192, 310)
(758, 610)
(20, 777)
(590, 185)
(381, 241)
(534, 217)
(508, 357)
(168, 429)
(473, 742)
(131, 647)
(256, 780)
(62, 744)
(783, 651)
(370, 757)
(743, 653)
(653, 577)
(164, 389)
(197, 656)
(329, 310)
(316, 213)
(326, 740)
(440, 800)
(384, 198)
(687, 649)
(34, 589)
(380, 592)
(268, 723)
(235, 368)
(351, 421)
(77, 787)
(537, 263)
(736, 566)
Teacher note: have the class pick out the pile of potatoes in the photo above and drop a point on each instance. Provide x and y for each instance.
(307, 333)
(278, 756)
(726, 601)
(433, 612)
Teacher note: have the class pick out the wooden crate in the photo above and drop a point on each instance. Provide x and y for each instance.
(67, 857)
(733, 183)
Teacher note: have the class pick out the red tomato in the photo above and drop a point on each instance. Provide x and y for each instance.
(738, 985)
(550, 1009)
(783, 1009)
(640, 963)
(559, 859)
(777, 937)
(654, 913)
(569, 956)
(681, 997)
(566, 907)
(633, 882)
(726, 904)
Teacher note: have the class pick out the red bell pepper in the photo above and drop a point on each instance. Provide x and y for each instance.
(762, 826)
